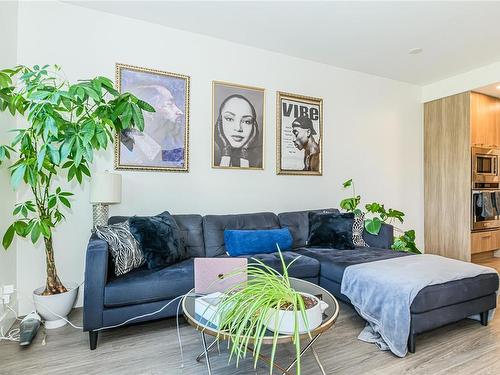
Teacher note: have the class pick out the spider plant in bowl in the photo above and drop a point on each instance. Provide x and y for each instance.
(263, 309)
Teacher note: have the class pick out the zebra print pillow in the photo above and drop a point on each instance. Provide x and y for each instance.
(124, 248)
(358, 226)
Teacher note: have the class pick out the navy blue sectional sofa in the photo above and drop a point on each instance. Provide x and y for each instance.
(110, 300)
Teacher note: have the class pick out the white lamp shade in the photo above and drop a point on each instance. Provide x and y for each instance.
(106, 187)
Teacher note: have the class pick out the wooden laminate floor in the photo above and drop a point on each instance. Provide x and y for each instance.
(487, 260)
(462, 348)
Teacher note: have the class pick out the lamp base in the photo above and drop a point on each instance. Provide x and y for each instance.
(100, 214)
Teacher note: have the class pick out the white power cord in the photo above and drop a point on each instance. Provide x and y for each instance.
(13, 334)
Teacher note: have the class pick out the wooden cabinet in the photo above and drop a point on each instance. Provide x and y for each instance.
(451, 126)
(447, 177)
(485, 120)
(485, 241)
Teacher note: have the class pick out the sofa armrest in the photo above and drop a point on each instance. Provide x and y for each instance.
(96, 275)
(383, 240)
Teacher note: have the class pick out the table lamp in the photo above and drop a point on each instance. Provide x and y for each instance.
(105, 189)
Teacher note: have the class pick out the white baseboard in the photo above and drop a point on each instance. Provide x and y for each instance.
(7, 316)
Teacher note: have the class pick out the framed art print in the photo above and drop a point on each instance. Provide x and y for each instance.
(299, 135)
(237, 126)
(164, 143)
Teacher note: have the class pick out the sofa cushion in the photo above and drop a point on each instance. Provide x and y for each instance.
(256, 241)
(327, 229)
(191, 227)
(298, 224)
(302, 268)
(123, 247)
(215, 225)
(384, 239)
(334, 262)
(142, 285)
(160, 239)
(453, 292)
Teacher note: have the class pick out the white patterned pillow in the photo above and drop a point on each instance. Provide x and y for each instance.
(358, 226)
(124, 248)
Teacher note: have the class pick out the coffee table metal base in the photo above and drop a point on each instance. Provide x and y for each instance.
(284, 371)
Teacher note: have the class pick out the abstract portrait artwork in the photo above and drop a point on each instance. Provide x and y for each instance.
(163, 145)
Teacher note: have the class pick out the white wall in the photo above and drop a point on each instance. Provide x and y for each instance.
(372, 127)
(470, 80)
(8, 58)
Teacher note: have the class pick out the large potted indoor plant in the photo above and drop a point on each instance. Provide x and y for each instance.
(266, 301)
(66, 123)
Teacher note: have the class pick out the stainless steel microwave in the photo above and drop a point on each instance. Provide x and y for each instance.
(485, 165)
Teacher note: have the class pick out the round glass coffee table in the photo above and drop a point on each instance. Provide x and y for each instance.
(329, 317)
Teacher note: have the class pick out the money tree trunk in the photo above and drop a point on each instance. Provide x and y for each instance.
(53, 285)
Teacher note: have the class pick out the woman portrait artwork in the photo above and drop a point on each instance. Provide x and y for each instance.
(237, 126)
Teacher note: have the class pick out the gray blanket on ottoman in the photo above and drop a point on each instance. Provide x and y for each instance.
(383, 291)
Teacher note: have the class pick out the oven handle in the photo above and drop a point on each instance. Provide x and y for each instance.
(485, 191)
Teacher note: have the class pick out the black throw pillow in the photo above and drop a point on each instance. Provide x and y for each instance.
(160, 239)
(332, 230)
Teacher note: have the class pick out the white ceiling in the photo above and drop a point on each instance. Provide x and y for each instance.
(371, 37)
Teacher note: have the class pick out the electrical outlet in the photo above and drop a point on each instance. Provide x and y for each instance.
(8, 289)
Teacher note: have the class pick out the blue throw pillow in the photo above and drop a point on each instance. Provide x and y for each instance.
(258, 241)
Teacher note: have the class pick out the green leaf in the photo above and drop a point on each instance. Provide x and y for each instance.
(127, 116)
(17, 176)
(31, 176)
(373, 226)
(41, 157)
(54, 154)
(78, 174)
(137, 117)
(145, 106)
(78, 153)
(85, 170)
(71, 173)
(50, 126)
(35, 232)
(66, 148)
(102, 139)
(64, 201)
(350, 204)
(373, 207)
(20, 227)
(45, 229)
(347, 184)
(17, 209)
(8, 237)
(88, 131)
(52, 202)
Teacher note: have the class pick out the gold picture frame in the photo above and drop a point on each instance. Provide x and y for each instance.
(177, 91)
(253, 148)
(300, 104)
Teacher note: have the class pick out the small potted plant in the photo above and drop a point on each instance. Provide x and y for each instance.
(66, 123)
(267, 301)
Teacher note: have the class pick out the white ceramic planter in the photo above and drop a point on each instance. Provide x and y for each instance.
(286, 318)
(60, 304)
